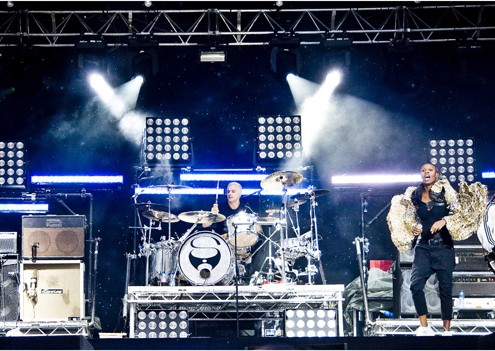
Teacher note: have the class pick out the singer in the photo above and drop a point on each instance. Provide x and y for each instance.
(433, 215)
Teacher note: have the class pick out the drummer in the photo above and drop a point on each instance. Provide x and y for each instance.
(233, 205)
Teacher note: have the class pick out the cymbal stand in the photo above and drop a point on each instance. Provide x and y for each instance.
(284, 232)
(169, 198)
(270, 259)
(314, 242)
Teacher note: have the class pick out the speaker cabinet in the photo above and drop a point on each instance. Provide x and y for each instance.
(52, 290)
(9, 289)
(53, 236)
(406, 301)
(8, 243)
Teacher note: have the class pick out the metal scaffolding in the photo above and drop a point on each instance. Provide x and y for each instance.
(420, 23)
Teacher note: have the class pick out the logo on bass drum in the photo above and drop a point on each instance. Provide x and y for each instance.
(204, 258)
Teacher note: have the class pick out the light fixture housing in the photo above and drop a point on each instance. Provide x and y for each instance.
(454, 158)
(212, 56)
(12, 165)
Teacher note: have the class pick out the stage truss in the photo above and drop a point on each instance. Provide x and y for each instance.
(408, 326)
(225, 303)
(44, 328)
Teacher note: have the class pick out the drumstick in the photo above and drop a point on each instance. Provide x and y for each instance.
(216, 196)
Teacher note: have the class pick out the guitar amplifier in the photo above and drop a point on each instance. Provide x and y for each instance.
(474, 284)
(467, 258)
(50, 236)
(470, 258)
(52, 290)
(8, 243)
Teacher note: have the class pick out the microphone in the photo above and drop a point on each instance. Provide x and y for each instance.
(34, 250)
(204, 273)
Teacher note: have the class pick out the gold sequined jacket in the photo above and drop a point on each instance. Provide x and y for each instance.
(466, 208)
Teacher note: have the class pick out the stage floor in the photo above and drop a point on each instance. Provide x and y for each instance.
(79, 342)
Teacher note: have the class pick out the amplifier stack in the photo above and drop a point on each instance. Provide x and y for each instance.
(47, 282)
(471, 275)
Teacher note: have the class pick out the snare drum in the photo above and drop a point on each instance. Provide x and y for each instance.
(293, 248)
(243, 226)
(205, 258)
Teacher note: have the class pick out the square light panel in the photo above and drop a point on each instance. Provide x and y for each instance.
(454, 158)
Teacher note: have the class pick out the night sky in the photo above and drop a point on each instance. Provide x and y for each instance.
(379, 120)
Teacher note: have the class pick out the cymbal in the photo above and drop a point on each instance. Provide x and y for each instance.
(281, 180)
(268, 219)
(145, 206)
(169, 186)
(303, 197)
(160, 216)
(201, 217)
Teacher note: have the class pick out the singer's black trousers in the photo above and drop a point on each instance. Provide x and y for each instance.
(430, 259)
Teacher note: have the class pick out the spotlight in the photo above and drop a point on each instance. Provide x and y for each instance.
(148, 3)
(168, 140)
(279, 138)
(10, 4)
(212, 56)
(162, 324)
(454, 158)
(12, 165)
(285, 56)
(310, 323)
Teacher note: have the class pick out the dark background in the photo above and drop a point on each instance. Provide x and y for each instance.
(380, 122)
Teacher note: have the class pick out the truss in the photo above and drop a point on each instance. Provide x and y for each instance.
(241, 27)
(405, 326)
(42, 328)
(225, 303)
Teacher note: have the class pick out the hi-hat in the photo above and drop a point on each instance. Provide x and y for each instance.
(146, 206)
(281, 180)
(169, 186)
(301, 198)
(201, 217)
(160, 216)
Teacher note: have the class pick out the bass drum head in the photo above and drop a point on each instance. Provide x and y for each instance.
(205, 258)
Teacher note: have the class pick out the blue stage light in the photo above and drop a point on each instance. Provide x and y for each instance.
(23, 208)
(76, 179)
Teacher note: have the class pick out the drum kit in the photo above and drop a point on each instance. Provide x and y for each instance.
(204, 257)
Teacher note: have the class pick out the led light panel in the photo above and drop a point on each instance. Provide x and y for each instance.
(12, 164)
(279, 138)
(454, 158)
(168, 141)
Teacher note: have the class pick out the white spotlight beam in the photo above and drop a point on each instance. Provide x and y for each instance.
(222, 177)
(376, 179)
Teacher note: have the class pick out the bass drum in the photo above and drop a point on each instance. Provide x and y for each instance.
(205, 258)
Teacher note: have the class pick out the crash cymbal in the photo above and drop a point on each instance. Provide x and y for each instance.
(303, 197)
(201, 217)
(281, 180)
(145, 206)
(160, 216)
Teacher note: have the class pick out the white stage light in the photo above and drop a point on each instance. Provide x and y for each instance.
(376, 179)
(454, 158)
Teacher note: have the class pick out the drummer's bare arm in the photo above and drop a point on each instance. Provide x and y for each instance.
(214, 208)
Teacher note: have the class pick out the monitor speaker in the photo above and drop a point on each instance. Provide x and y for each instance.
(51, 236)
(52, 290)
(9, 290)
(403, 292)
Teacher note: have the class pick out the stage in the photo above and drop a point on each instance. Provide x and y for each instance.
(464, 342)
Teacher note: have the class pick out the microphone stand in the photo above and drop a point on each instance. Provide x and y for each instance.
(238, 327)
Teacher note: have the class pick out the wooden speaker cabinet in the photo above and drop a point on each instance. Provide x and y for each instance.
(52, 290)
(49, 236)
